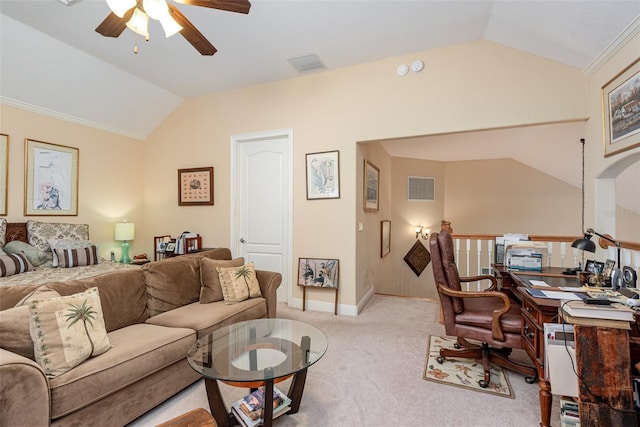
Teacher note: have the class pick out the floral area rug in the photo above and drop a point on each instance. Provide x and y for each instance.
(462, 372)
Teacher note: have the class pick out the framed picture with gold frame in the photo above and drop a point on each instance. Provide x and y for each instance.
(4, 174)
(195, 186)
(621, 111)
(371, 184)
(51, 179)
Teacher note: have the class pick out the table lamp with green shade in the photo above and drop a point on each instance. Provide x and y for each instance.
(125, 231)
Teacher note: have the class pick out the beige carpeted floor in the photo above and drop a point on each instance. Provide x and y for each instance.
(371, 376)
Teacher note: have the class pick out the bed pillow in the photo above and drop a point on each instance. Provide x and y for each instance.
(14, 264)
(68, 258)
(67, 330)
(239, 283)
(36, 256)
(3, 232)
(55, 244)
(211, 290)
(39, 232)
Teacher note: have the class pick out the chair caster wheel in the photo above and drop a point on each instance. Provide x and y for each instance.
(457, 345)
(440, 359)
(483, 383)
(530, 380)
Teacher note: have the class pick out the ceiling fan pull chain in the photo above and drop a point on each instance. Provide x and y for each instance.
(135, 43)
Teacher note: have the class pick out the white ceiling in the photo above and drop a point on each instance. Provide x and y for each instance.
(53, 61)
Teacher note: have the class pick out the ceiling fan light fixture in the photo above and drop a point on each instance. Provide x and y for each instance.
(120, 7)
(139, 23)
(156, 9)
(169, 25)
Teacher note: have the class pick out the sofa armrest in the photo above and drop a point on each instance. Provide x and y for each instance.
(24, 391)
(269, 282)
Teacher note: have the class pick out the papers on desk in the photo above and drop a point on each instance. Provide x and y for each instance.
(539, 293)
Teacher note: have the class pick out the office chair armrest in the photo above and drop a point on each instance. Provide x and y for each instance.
(496, 330)
(494, 282)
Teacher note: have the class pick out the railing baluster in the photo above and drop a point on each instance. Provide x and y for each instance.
(563, 253)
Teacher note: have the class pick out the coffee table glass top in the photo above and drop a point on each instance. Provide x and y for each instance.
(257, 350)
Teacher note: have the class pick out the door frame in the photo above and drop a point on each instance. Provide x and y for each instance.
(236, 140)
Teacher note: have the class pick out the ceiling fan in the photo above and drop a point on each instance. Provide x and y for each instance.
(135, 15)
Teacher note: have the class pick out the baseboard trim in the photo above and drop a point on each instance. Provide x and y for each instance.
(328, 307)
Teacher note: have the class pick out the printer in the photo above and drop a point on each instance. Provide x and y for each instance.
(526, 255)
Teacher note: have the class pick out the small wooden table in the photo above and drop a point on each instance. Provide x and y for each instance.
(196, 418)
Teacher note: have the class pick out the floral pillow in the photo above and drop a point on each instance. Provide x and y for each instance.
(39, 232)
(36, 256)
(67, 330)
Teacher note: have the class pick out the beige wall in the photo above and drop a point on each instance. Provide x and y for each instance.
(110, 181)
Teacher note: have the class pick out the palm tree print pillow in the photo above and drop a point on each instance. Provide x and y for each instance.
(67, 330)
(239, 283)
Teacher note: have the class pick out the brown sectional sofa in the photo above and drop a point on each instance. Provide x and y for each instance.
(152, 316)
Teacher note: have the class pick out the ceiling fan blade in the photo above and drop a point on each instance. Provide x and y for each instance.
(113, 26)
(240, 6)
(191, 33)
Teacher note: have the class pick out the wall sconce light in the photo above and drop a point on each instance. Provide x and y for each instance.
(422, 232)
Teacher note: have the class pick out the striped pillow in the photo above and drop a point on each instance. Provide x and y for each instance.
(68, 258)
(14, 264)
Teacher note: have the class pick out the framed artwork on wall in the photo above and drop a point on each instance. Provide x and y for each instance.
(323, 175)
(195, 186)
(621, 111)
(371, 189)
(417, 258)
(385, 238)
(4, 172)
(51, 179)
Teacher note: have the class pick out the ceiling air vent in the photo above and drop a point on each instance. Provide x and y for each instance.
(307, 63)
(421, 188)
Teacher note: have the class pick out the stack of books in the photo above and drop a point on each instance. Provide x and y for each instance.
(569, 414)
(248, 410)
(615, 315)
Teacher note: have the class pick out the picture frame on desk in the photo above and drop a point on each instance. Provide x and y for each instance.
(171, 247)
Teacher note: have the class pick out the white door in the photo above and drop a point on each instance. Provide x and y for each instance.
(261, 202)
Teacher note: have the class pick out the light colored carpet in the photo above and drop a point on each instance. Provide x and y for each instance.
(461, 372)
(371, 376)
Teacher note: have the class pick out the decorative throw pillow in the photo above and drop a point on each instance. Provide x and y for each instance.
(67, 330)
(239, 283)
(67, 244)
(14, 264)
(211, 290)
(36, 256)
(68, 258)
(3, 231)
(39, 232)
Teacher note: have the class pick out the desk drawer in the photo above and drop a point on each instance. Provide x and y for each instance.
(531, 337)
(532, 311)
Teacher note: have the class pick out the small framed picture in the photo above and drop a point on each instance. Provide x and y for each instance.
(320, 272)
(195, 186)
(371, 190)
(170, 247)
(323, 175)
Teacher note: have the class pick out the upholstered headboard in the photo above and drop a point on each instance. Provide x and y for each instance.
(16, 231)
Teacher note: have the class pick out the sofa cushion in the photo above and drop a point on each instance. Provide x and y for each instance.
(122, 294)
(36, 256)
(68, 258)
(14, 264)
(205, 318)
(39, 232)
(239, 283)
(14, 331)
(171, 283)
(41, 292)
(211, 290)
(67, 330)
(138, 351)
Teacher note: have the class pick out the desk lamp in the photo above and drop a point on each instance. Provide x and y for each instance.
(125, 231)
(586, 244)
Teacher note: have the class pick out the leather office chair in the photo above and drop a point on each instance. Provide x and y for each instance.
(488, 316)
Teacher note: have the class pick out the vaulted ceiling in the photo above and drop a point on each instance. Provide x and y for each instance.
(52, 60)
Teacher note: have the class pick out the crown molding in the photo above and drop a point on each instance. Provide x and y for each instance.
(621, 40)
(67, 117)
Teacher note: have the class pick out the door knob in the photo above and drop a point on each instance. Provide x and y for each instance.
(242, 240)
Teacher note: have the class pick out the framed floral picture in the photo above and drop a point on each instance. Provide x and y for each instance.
(323, 175)
(51, 179)
(195, 186)
(371, 187)
(4, 172)
(621, 111)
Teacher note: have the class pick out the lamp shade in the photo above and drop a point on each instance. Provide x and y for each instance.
(585, 244)
(125, 231)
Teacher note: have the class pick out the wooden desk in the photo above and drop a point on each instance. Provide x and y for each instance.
(538, 311)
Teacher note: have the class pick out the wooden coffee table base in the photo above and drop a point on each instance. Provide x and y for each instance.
(226, 419)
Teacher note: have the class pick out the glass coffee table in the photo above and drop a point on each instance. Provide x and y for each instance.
(253, 354)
